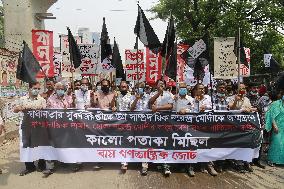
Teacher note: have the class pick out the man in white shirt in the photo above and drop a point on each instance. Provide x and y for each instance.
(83, 95)
(121, 102)
(140, 102)
(33, 101)
(183, 102)
(203, 102)
(162, 101)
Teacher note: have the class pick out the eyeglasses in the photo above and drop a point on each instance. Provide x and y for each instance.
(36, 88)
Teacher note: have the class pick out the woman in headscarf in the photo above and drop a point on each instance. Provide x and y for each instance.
(275, 121)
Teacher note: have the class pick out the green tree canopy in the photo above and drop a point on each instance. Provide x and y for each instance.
(261, 23)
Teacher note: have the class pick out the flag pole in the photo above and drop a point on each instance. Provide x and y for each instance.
(165, 66)
(72, 66)
(137, 71)
(210, 69)
(239, 58)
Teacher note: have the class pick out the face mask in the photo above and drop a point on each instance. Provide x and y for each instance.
(253, 93)
(221, 94)
(99, 88)
(141, 91)
(84, 88)
(242, 92)
(123, 93)
(105, 89)
(182, 91)
(35, 92)
(60, 92)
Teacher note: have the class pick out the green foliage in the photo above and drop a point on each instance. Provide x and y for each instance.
(261, 23)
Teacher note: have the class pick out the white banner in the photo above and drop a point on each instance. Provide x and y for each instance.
(74, 155)
(224, 58)
(90, 59)
(135, 66)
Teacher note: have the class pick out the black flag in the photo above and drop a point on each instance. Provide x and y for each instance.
(28, 66)
(105, 43)
(270, 62)
(75, 54)
(239, 48)
(170, 37)
(171, 69)
(145, 32)
(117, 63)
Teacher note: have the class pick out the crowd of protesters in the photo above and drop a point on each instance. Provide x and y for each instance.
(183, 99)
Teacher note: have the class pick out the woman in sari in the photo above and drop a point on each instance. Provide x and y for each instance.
(275, 122)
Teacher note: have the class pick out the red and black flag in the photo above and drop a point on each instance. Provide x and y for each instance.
(75, 54)
(145, 32)
(28, 66)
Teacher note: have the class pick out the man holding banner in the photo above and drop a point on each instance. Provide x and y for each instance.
(33, 101)
(162, 101)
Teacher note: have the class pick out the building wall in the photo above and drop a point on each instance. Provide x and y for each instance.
(19, 18)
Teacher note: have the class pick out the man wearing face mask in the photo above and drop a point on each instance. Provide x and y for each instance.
(59, 100)
(121, 102)
(220, 99)
(253, 94)
(103, 99)
(50, 89)
(140, 102)
(83, 95)
(184, 104)
(242, 103)
(162, 100)
(33, 101)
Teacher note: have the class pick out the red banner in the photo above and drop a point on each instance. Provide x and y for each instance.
(181, 48)
(153, 66)
(42, 41)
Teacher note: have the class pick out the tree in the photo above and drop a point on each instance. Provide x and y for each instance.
(261, 22)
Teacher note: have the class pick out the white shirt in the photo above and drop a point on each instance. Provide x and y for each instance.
(82, 99)
(163, 100)
(186, 103)
(123, 102)
(142, 104)
(206, 101)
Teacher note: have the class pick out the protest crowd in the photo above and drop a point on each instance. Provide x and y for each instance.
(226, 124)
(183, 100)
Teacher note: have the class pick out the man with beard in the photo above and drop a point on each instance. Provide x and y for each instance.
(103, 98)
(121, 102)
(49, 84)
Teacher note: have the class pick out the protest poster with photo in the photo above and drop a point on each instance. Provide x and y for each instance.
(135, 66)
(42, 41)
(224, 58)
